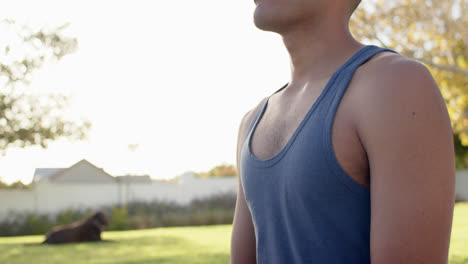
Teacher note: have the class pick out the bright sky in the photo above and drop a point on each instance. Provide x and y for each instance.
(174, 77)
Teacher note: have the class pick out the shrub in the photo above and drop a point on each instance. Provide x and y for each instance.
(212, 210)
(119, 219)
(36, 224)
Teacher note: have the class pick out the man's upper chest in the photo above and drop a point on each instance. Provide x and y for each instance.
(286, 112)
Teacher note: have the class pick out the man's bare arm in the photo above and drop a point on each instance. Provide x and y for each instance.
(405, 129)
(243, 243)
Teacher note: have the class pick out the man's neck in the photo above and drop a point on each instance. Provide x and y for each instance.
(317, 50)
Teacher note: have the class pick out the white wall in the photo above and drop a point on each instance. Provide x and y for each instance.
(461, 187)
(51, 198)
(15, 200)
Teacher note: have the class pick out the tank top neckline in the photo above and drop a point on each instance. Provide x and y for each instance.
(268, 162)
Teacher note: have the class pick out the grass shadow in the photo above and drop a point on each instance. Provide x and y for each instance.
(65, 244)
(458, 260)
(199, 259)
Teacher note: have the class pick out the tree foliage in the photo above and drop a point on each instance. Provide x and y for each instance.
(461, 153)
(434, 32)
(223, 170)
(18, 185)
(27, 119)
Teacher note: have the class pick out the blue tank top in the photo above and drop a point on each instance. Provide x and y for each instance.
(304, 206)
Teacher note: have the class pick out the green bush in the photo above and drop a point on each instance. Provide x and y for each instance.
(36, 225)
(65, 217)
(119, 219)
(218, 209)
(461, 153)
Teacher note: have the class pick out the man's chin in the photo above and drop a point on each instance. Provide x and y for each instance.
(268, 21)
(264, 22)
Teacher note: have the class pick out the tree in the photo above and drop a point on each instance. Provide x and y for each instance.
(434, 32)
(223, 170)
(3, 185)
(18, 185)
(26, 119)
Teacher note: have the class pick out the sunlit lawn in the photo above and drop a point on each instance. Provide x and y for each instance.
(459, 241)
(208, 244)
(164, 245)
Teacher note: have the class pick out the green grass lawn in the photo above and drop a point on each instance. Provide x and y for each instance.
(459, 239)
(209, 244)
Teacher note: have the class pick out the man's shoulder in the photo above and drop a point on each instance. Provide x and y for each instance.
(392, 73)
(390, 79)
(249, 116)
(395, 92)
(247, 120)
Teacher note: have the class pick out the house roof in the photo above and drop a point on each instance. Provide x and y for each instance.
(76, 164)
(45, 173)
(53, 173)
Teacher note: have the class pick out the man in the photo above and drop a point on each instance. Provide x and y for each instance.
(352, 161)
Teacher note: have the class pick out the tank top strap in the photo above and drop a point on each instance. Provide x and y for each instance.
(255, 119)
(260, 111)
(344, 77)
(340, 80)
(333, 102)
(368, 52)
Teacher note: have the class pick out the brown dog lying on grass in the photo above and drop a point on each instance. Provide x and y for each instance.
(87, 230)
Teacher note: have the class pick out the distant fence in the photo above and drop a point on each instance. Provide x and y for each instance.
(461, 187)
(51, 198)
